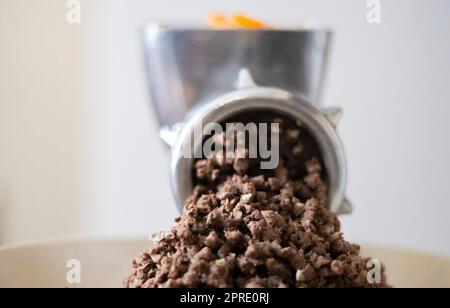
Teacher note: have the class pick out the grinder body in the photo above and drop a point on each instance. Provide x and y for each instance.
(198, 76)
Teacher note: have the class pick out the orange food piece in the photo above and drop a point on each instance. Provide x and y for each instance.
(242, 21)
(218, 21)
(238, 21)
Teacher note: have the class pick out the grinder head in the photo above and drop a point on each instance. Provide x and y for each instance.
(320, 124)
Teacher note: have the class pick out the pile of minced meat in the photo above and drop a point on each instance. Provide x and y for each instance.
(244, 227)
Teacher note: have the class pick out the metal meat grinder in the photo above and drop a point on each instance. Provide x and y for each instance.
(200, 76)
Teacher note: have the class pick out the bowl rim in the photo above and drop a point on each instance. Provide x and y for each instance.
(89, 240)
(72, 240)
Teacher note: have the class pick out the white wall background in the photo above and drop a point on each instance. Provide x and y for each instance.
(40, 121)
(392, 80)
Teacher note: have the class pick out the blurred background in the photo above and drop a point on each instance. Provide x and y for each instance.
(79, 147)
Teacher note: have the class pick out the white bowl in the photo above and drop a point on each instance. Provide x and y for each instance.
(105, 263)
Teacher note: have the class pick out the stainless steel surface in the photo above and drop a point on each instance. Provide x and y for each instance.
(320, 124)
(200, 76)
(190, 66)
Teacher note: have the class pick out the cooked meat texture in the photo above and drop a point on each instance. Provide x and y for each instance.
(244, 227)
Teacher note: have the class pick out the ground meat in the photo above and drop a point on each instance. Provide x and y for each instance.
(251, 228)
